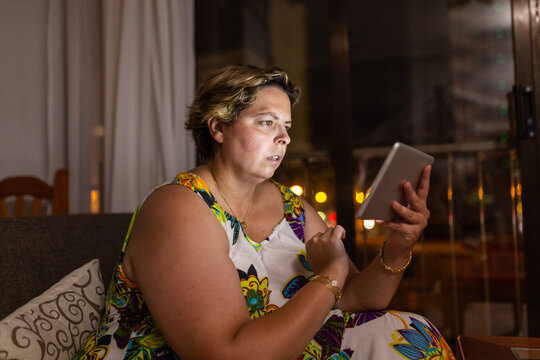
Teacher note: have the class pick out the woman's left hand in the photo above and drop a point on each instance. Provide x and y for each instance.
(403, 234)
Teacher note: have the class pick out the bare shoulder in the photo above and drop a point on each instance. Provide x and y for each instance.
(178, 251)
(167, 222)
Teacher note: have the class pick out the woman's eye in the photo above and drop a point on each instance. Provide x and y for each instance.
(266, 122)
(287, 128)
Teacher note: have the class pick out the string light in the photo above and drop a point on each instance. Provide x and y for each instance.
(332, 217)
(369, 224)
(94, 201)
(297, 189)
(321, 197)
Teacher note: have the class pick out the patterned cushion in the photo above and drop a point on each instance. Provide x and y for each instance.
(56, 323)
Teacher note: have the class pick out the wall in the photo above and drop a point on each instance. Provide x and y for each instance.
(22, 87)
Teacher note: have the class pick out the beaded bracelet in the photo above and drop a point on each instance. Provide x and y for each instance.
(389, 268)
(331, 284)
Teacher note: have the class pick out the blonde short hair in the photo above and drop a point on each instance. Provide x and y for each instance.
(225, 93)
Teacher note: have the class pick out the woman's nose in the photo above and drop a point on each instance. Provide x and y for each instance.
(283, 137)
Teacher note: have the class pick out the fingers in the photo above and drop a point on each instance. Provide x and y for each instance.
(415, 217)
(418, 213)
(327, 255)
(339, 232)
(417, 200)
(412, 225)
(336, 232)
(423, 185)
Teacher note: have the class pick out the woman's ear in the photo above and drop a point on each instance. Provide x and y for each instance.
(216, 129)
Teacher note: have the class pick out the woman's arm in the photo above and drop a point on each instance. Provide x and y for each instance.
(374, 287)
(179, 255)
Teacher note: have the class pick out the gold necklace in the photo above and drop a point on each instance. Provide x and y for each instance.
(242, 222)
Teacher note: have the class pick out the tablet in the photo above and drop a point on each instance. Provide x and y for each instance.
(402, 163)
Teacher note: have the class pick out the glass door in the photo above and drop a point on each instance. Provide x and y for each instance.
(526, 126)
(438, 75)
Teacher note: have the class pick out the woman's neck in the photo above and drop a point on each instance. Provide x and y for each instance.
(233, 193)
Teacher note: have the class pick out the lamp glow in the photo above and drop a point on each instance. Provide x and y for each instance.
(322, 215)
(369, 224)
(321, 197)
(94, 201)
(332, 217)
(297, 189)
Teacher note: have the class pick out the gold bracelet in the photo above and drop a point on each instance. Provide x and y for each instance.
(331, 284)
(389, 268)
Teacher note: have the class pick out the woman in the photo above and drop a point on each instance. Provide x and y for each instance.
(225, 264)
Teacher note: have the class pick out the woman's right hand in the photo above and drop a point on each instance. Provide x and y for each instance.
(326, 254)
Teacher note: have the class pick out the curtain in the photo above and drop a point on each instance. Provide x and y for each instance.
(119, 77)
(149, 80)
(73, 97)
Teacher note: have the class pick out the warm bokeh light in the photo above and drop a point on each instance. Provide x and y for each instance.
(519, 207)
(513, 192)
(359, 197)
(369, 224)
(518, 189)
(94, 201)
(297, 189)
(99, 131)
(322, 215)
(321, 197)
(480, 193)
(332, 217)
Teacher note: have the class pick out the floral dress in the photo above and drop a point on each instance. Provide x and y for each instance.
(270, 273)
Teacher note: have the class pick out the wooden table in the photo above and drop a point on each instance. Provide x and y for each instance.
(498, 347)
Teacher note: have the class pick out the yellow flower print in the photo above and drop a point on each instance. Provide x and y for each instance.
(186, 182)
(287, 195)
(256, 293)
(90, 350)
(257, 296)
(421, 341)
(297, 204)
(199, 184)
(312, 352)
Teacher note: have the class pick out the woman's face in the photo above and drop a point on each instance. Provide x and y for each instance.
(257, 141)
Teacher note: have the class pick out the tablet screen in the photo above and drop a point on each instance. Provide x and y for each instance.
(402, 163)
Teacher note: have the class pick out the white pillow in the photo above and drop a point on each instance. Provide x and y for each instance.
(56, 323)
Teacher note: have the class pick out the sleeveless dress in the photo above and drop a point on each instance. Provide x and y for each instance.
(270, 273)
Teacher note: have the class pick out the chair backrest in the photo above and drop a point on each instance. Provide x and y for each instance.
(19, 186)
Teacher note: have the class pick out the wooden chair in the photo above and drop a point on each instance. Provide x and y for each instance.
(18, 186)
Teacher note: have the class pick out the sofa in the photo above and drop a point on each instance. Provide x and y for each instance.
(54, 273)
